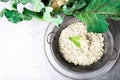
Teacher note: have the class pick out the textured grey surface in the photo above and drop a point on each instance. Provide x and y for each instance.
(114, 73)
(22, 51)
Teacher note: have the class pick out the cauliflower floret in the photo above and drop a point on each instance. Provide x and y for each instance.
(58, 3)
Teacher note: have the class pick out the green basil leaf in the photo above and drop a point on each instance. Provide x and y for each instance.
(75, 40)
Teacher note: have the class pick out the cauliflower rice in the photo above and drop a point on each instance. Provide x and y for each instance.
(91, 49)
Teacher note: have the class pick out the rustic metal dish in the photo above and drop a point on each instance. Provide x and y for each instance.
(56, 59)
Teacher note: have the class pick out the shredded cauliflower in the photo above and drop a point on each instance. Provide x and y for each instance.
(91, 49)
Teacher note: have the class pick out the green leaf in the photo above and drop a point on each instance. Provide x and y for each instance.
(46, 2)
(24, 1)
(14, 4)
(72, 6)
(5, 0)
(88, 1)
(13, 16)
(44, 15)
(32, 14)
(38, 5)
(2, 13)
(56, 20)
(94, 22)
(41, 12)
(47, 17)
(95, 13)
(75, 40)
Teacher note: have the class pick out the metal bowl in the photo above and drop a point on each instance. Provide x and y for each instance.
(70, 70)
